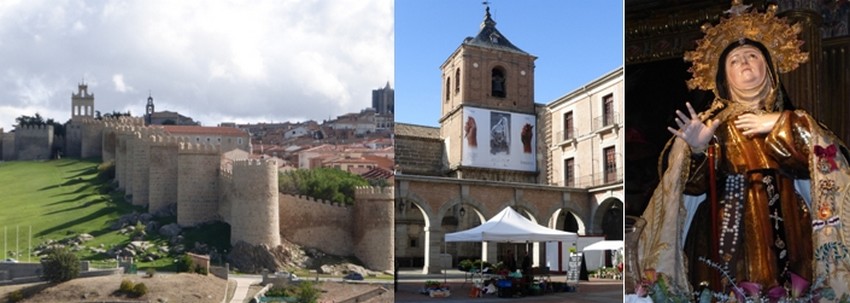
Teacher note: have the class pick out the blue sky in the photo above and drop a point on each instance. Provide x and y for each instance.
(575, 42)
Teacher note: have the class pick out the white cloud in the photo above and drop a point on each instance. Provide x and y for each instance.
(208, 60)
(79, 26)
(120, 86)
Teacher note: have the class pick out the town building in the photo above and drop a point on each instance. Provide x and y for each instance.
(383, 100)
(495, 147)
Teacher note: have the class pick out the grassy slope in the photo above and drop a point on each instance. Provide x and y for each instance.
(57, 199)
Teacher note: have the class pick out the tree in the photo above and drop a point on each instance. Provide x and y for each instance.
(116, 114)
(38, 120)
(60, 265)
(322, 183)
(25, 120)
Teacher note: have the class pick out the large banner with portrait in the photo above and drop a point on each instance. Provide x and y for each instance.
(499, 140)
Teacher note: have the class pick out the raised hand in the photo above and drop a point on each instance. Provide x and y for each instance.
(753, 124)
(696, 133)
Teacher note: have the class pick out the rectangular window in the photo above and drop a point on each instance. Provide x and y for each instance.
(610, 165)
(569, 172)
(608, 110)
(568, 126)
(414, 242)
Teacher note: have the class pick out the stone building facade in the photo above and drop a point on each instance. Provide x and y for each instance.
(586, 143)
(493, 149)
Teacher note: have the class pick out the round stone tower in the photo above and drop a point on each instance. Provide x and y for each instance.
(254, 212)
(197, 183)
(374, 217)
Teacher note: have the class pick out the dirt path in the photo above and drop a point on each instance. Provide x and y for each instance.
(163, 288)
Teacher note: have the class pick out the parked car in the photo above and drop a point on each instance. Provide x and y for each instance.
(353, 276)
(9, 260)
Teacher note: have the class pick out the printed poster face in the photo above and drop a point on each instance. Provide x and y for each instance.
(507, 140)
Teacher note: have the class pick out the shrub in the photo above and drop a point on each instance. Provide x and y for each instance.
(16, 296)
(126, 286)
(278, 291)
(150, 272)
(138, 231)
(60, 265)
(106, 171)
(201, 270)
(140, 290)
(307, 293)
(185, 264)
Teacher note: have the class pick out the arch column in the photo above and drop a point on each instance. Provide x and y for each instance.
(489, 251)
(433, 241)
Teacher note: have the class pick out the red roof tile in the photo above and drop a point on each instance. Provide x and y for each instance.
(203, 130)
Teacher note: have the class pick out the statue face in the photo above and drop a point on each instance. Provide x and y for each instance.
(745, 67)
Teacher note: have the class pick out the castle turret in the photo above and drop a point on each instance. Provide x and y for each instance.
(162, 172)
(33, 142)
(198, 167)
(254, 211)
(91, 140)
(374, 219)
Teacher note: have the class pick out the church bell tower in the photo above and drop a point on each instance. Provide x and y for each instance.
(149, 109)
(488, 119)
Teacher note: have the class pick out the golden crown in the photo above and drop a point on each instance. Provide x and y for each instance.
(774, 33)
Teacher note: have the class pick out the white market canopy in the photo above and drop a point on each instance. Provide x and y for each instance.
(510, 226)
(605, 245)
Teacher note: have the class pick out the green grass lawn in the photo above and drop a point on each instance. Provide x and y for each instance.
(56, 200)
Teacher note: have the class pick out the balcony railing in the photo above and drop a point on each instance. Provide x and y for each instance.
(565, 135)
(596, 179)
(602, 121)
(598, 123)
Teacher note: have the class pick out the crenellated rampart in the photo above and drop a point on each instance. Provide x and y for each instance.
(91, 138)
(253, 202)
(374, 226)
(162, 174)
(197, 183)
(73, 137)
(9, 147)
(317, 223)
(33, 142)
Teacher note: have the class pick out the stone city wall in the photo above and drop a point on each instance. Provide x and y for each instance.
(162, 174)
(1, 143)
(254, 203)
(9, 147)
(91, 141)
(373, 232)
(121, 136)
(33, 142)
(316, 223)
(141, 167)
(73, 137)
(197, 183)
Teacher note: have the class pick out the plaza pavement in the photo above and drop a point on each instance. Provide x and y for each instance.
(593, 291)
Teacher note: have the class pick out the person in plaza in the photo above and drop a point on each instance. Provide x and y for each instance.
(773, 178)
(509, 261)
